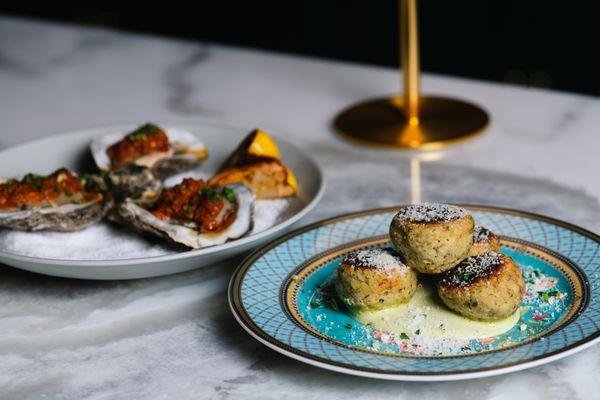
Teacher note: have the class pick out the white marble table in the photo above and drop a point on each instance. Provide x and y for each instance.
(174, 337)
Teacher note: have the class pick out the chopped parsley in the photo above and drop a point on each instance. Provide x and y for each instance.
(546, 295)
(348, 326)
(144, 131)
(404, 336)
(214, 194)
(36, 185)
(30, 177)
(210, 194)
(229, 194)
(84, 178)
(10, 182)
(418, 332)
(68, 192)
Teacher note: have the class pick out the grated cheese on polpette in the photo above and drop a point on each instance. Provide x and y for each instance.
(471, 269)
(382, 259)
(429, 212)
(481, 234)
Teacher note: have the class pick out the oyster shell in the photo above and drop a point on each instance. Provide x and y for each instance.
(134, 182)
(135, 216)
(64, 216)
(186, 152)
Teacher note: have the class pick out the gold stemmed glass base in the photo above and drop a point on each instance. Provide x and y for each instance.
(383, 122)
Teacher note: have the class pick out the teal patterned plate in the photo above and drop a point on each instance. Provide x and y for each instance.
(282, 295)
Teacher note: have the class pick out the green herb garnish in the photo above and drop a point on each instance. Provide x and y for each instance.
(418, 332)
(229, 194)
(36, 186)
(210, 194)
(315, 304)
(404, 336)
(30, 177)
(214, 195)
(68, 192)
(546, 295)
(348, 326)
(144, 131)
(84, 178)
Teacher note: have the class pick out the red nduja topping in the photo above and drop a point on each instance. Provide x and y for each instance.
(145, 140)
(193, 200)
(35, 190)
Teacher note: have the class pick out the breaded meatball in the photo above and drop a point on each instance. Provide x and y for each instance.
(373, 279)
(484, 241)
(432, 238)
(486, 287)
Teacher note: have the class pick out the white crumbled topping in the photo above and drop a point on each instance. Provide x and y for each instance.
(481, 234)
(472, 268)
(429, 212)
(377, 258)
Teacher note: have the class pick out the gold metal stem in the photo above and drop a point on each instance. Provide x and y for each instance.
(409, 58)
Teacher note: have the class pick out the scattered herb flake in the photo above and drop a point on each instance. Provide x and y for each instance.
(210, 194)
(229, 194)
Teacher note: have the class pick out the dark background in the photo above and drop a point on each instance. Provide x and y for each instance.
(550, 44)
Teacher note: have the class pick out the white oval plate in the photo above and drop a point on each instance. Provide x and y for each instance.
(106, 247)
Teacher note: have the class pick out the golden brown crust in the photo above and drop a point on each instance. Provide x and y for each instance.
(486, 287)
(375, 283)
(484, 241)
(435, 247)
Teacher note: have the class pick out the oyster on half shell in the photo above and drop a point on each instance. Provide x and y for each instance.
(133, 182)
(165, 151)
(57, 202)
(140, 218)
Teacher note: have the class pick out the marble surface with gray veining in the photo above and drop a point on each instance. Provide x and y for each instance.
(174, 337)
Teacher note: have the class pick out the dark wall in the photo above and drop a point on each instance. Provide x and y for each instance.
(536, 43)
